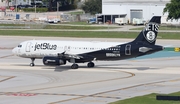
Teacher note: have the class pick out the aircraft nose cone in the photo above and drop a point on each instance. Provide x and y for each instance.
(14, 51)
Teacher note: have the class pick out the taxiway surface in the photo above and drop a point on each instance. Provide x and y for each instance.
(107, 82)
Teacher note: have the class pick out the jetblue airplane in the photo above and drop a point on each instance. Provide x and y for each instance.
(56, 53)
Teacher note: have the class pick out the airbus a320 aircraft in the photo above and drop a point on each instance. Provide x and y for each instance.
(55, 53)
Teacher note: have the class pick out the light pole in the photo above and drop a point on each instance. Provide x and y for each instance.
(35, 8)
(57, 8)
(16, 9)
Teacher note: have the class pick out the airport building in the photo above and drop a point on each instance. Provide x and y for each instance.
(19, 2)
(142, 9)
(2, 3)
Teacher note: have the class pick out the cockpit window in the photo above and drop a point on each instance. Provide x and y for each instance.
(19, 46)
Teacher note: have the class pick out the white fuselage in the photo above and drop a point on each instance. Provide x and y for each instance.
(41, 48)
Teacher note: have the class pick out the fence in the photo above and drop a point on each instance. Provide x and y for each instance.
(75, 18)
(22, 24)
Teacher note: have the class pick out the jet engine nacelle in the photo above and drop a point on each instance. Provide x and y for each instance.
(53, 61)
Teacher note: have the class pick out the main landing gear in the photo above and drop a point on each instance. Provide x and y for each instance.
(89, 65)
(32, 62)
(74, 66)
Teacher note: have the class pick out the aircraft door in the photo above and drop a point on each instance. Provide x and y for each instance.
(128, 49)
(28, 47)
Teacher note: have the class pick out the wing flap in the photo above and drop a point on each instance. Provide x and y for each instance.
(69, 56)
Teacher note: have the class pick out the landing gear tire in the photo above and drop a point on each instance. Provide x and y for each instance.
(74, 66)
(31, 64)
(90, 65)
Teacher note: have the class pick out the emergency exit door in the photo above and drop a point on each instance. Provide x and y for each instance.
(128, 49)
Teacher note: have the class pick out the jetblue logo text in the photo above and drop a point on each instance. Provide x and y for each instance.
(45, 46)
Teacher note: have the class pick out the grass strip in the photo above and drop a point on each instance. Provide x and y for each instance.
(78, 27)
(160, 28)
(148, 99)
(12, 24)
(77, 23)
(82, 34)
(34, 26)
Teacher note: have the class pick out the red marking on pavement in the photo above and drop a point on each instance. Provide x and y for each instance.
(6, 56)
(21, 94)
(6, 48)
(7, 79)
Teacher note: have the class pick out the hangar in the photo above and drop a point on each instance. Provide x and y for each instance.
(142, 9)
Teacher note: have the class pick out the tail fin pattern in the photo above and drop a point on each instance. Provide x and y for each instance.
(149, 33)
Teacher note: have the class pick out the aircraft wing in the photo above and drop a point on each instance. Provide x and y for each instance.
(167, 52)
(69, 56)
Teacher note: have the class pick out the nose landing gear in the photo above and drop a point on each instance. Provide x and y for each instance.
(32, 62)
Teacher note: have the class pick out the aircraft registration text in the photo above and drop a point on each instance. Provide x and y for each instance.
(113, 55)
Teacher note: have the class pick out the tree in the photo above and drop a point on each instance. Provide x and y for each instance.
(61, 3)
(92, 6)
(50, 5)
(173, 9)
